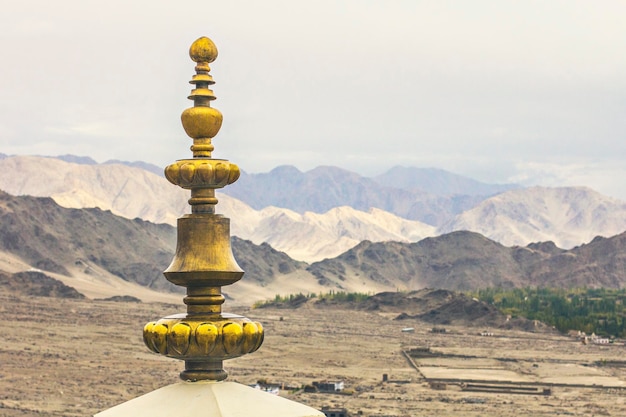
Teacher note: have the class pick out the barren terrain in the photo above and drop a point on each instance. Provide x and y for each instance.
(62, 357)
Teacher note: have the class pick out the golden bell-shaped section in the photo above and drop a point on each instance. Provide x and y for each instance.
(204, 262)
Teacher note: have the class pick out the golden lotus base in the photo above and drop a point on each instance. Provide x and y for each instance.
(203, 342)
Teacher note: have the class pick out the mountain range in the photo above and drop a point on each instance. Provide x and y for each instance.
(428, 195)
(104, 255)
(114, 249)
(330, 209)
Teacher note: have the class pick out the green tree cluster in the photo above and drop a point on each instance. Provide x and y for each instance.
(332, 296)
(591, 310)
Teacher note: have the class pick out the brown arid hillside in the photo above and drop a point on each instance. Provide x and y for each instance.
(35, 283)
(65, 241)
(467, 260)
(436, 307)
(262, 262)
(600, 263)
(100, 253)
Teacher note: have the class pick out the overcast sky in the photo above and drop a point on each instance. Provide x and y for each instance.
(501, 91)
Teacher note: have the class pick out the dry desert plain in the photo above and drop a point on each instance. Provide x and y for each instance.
(62, 357)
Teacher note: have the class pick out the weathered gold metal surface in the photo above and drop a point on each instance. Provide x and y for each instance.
(203, 256)
(204, 261)
(201, 122)
(203, 50)
(202, 173)
(187, 337)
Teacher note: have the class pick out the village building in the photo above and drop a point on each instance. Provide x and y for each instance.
(329, 386)
(335, 412)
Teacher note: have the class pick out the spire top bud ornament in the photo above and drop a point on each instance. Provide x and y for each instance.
(202, 174)
(203, 51)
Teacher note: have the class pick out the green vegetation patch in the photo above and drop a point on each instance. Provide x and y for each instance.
(296, 300)
(591, 310)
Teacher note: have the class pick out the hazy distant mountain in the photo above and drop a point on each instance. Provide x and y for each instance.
(85, 160)
(438, 210)
(318, 190)
(438, 182)
(326, 187)
(133, 192)
(568, 216)
(311, 236)
(139, 164)
(126, 191)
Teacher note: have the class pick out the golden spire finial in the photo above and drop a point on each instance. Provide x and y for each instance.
(203, 262)
(202, 175)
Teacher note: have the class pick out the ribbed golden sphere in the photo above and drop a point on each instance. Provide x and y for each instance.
(203, 50)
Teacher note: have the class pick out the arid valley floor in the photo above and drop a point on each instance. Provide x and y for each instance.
(62, 357)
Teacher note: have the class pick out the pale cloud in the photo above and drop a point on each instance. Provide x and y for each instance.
(30, 27)
(100, 129)
(604, 177)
